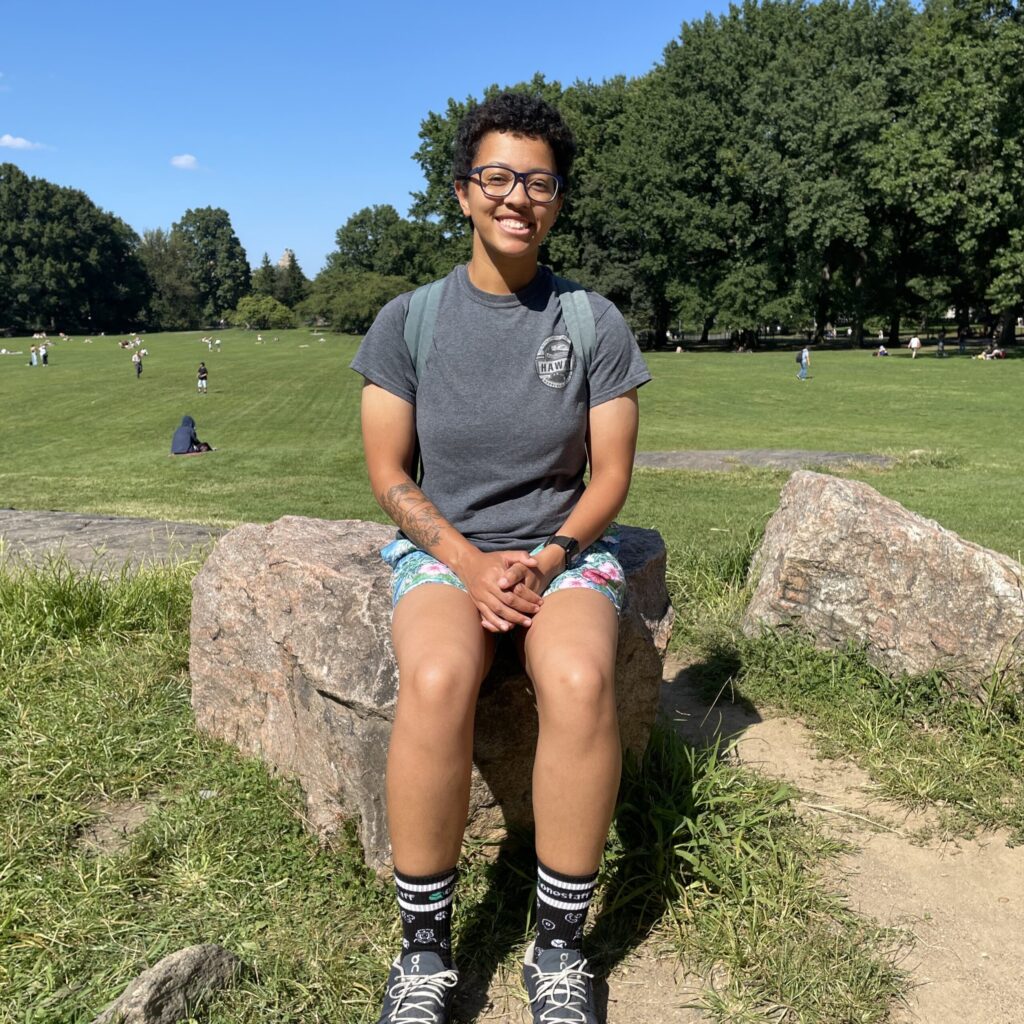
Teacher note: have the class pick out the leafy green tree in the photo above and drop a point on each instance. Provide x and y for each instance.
(64, 262)
(217, 264)
(173, 304)
(260, 312)
(264, 279)
(379, 240)
(956, 152)
(349, 300)
(292, 285)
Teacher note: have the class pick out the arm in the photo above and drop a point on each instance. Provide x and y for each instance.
(389, 438)
(612, 433)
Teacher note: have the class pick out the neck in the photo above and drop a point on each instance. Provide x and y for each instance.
(500, 277)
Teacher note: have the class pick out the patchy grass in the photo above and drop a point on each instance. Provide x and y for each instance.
(924, 741)
(94, 712)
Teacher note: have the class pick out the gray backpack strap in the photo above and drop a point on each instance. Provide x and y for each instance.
(579, 317)
(419, 323)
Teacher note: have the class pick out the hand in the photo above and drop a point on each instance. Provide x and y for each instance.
(524, 578)
(500, 608)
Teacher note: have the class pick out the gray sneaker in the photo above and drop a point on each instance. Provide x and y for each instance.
(559, 986)
(420, 990)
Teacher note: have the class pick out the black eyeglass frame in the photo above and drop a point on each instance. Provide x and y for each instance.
(517, 176)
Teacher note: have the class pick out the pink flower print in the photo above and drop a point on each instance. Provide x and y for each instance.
(593, 576)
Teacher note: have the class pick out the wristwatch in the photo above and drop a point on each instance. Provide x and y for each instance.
(569, 545)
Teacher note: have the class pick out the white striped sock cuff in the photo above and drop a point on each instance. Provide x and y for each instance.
(441, 883)
(557, 883)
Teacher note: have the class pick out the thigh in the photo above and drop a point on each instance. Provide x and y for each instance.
(572, 644)
(439, 641)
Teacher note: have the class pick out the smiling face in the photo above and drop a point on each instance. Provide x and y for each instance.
(507, 232)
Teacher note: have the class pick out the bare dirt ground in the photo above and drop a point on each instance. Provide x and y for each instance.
(959, 901)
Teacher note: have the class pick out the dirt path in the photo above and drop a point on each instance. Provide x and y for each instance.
(961, 902)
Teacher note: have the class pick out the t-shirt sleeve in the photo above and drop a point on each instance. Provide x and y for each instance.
(616, 365)
(383, 358)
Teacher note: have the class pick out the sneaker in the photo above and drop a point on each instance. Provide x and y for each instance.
(559, 986)
(420, 990)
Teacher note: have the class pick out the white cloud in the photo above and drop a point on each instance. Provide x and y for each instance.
(185, 162)
(8, 141)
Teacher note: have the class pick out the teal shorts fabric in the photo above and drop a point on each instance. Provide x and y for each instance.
(597, 568)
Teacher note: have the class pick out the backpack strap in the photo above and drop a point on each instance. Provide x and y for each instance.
(579, 317)
(419, 323)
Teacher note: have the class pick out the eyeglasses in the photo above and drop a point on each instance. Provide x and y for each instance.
(497, 182)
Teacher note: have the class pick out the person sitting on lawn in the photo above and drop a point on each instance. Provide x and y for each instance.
(185, 441)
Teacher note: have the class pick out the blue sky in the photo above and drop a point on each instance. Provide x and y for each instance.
(290, 116)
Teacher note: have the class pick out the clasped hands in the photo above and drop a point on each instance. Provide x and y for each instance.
(506, 587)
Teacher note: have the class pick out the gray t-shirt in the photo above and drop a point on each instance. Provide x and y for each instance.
(501, 426)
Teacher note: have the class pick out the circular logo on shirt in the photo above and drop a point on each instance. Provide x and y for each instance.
(554, 361)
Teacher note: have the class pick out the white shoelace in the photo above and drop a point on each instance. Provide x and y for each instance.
(424, 990)
(562, 990)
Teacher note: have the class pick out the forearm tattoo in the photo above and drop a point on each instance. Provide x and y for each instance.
(414, 513)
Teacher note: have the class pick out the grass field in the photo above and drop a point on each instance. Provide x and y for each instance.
(84, 435)
(705, 854)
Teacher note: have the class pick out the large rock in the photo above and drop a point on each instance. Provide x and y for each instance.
(291, 661)
(172, 989)
(845, 564)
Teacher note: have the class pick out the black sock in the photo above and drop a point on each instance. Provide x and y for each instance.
(562, 904)
(426, 908)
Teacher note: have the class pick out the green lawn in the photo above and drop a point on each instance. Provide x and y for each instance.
(94, 694)
(84, 435)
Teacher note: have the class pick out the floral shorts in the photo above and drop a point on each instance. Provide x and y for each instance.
(596, 568)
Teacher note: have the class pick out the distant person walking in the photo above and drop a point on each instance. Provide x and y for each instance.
(805, 363)
(137, 360)
(33, 357)
(915, 346)
(44, 355)
(202, 379)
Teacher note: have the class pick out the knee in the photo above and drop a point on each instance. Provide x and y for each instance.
(578, 696)
(438, 689)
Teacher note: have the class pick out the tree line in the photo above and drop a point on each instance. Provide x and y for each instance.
(852, 163)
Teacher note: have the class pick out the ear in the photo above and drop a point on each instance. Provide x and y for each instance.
(461, 191)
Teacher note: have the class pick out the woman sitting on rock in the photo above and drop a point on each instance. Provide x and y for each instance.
(507, 409)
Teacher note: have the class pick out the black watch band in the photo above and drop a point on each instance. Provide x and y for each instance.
(569, 545)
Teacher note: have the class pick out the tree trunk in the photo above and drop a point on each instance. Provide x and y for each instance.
(662, 319)
(824, 301)
(858, 302)
(1008, 333)
(706, 330)
(894, 329)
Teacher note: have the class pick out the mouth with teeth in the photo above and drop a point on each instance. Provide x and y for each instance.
(515, 226)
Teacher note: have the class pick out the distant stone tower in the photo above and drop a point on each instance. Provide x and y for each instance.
(286, 257)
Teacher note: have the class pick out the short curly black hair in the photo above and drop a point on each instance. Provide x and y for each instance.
(518, 113)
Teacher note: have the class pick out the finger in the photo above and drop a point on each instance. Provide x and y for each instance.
(498, 622)
(511, 558)
(525, 603)
(510, 616)
(513, 576)
(526, 590)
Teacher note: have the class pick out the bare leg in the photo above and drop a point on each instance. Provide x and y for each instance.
(443, 655)
(569, 653)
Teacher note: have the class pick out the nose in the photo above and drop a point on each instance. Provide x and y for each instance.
(520, 184)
